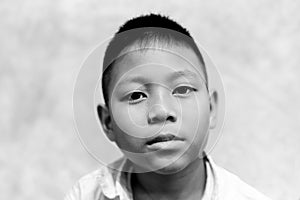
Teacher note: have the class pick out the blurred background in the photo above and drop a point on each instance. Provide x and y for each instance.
(255, 45)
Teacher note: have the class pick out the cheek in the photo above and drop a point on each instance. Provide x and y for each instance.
(126, 140)
(130, 127)
(195, 124)
(129, 119)
(195, 118)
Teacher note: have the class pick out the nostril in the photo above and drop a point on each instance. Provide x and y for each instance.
(171, 119)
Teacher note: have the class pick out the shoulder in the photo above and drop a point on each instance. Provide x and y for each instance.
(232, 187)
(96, 184)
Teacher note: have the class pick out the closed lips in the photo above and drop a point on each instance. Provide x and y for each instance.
(162, 138)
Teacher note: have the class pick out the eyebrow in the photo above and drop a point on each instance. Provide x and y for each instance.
(183, 73)
(175, 75)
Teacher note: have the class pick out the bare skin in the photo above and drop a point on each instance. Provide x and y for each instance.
(187, 184)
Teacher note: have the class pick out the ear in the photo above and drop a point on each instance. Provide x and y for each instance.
(105, 120)
(213, 98)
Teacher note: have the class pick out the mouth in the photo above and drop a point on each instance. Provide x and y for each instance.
(163, 139)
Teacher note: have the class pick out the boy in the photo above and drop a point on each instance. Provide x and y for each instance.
(158, 111)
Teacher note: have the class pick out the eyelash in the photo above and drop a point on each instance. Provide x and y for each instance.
(135, 101)
(189, 88)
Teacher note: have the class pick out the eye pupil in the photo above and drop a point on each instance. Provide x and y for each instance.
(135, 96)
(182, 90)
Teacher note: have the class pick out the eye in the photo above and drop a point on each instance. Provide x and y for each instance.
(136, 97)
(183, 90)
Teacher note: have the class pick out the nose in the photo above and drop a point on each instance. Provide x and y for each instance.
(162, 110)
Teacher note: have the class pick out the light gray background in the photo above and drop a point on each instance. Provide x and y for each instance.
(255, 45)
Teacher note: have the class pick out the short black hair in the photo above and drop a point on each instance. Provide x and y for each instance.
(144, 30)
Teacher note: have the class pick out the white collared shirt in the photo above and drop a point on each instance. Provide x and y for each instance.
(114, 183)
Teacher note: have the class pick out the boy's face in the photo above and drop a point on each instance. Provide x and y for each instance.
(160, 109)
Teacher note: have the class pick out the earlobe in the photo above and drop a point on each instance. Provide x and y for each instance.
(213, 109)
(105, 120)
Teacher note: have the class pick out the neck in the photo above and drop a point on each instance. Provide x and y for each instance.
(189, 183)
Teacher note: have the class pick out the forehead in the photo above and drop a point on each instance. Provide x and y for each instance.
(156, 63)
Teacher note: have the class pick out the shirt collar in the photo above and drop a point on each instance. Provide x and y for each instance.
(120, 185)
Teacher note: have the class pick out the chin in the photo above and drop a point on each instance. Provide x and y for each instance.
(174, 167)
